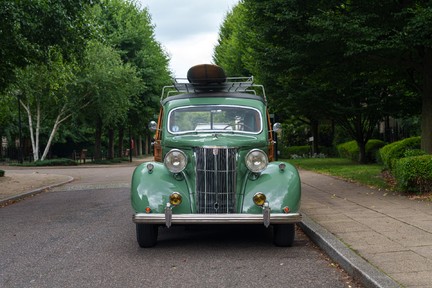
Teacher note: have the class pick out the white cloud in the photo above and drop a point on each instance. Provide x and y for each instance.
(192, 50)
(188, 29)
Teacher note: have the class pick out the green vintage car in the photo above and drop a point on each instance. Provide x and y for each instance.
(214, 151)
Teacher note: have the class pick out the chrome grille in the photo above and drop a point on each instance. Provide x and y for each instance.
(215, 179)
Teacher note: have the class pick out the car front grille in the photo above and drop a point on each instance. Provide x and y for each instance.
(215, 179)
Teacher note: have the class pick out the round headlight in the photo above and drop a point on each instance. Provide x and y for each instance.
(175, 160)
(256, 160)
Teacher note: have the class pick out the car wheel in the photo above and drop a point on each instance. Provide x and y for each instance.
(147, 235)
(283, 235)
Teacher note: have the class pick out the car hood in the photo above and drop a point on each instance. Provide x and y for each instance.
(216, 139)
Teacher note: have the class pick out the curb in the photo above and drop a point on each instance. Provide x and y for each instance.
(34, 192)
(353, 264)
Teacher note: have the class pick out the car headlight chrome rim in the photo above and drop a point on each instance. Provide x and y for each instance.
(256, 160)
(175, 161)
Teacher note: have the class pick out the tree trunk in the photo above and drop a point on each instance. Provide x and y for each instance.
(53, 131)
(38, 116)
(98, 140)
(59, 119)
(140, 146)
(120, 140)
(426, 122)
(110, 143)
(35, 146)
(362, 152)
(147, 145)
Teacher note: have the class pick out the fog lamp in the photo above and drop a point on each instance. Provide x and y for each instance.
(175, 199)
(259, 199)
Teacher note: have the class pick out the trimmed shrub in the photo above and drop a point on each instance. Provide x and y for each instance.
(396, 150)
(414, 152)
(2, 173)
(53, 162)
(350, 149)
(372, 148)
(111, 161)
(414, 174)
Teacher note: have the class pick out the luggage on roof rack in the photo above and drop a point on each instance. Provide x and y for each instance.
(211, 78)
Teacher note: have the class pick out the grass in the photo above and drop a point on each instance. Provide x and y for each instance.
(369, 174)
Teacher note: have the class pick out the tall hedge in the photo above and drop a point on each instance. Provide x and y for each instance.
(414, 174)
(397, 150)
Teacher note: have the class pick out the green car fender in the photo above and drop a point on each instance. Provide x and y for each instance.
(281, 187)
(151, 189)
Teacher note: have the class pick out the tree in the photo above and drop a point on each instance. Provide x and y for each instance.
(398, 36)
(29, 28)
(43, 93)
(283, 59)
(46, 36)
(318, 62)
(129, 30)
(110, 84)
(230, 52)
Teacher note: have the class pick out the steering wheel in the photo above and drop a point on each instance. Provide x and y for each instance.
(240, 124)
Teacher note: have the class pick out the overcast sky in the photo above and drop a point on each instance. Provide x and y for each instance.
(188, 29)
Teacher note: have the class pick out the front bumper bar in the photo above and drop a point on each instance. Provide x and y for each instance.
(275, 218)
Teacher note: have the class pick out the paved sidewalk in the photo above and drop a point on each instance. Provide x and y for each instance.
(389, 231)
(382, 239)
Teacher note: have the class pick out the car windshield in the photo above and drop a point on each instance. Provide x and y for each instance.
(207, 118)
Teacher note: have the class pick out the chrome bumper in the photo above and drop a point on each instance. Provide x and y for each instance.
(275, 218)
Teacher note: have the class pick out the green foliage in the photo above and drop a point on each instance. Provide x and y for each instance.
(326, 60)
(350, 150)
(2, 173)
(8, 117)
(367, 174)
(396, 150)
(372, 148)
(231, 51)
(414, 174)
(43, 90)
(129, 30)
(51, 162)
(109, 84)
(414, 152)
(111, 161)
(28, 29)
(288, 152)
(69, 55)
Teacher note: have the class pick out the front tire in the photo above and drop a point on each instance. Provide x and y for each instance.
(283, 235)
(147, 235)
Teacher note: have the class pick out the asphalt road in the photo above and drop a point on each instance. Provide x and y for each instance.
(85, 238)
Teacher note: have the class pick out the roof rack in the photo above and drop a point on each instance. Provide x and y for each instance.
(232, 84)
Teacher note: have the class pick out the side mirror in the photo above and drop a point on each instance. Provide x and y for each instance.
(152, 126)
(277, 127)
